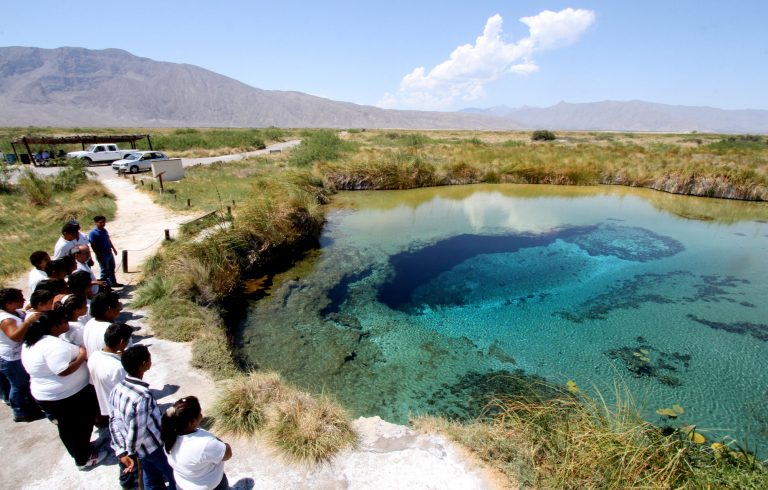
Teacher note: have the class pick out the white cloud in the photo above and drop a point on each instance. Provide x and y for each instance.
(470, 67)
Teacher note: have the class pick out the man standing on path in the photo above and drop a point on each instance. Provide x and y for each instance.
(134, 422)
(104, 250)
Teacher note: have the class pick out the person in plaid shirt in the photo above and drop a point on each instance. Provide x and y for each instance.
(134, 423)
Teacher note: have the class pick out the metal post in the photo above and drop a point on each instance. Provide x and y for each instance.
(151, 186)
(229, 210)
(189, 203)
(167, 234)
(125, 261)
(133, 178)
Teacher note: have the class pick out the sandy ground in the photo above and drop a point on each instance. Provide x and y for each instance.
(388, 456)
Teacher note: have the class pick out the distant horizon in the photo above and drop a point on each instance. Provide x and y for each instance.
(432, 56)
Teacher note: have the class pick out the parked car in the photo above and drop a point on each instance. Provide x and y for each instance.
(138, 161)
(100, 153)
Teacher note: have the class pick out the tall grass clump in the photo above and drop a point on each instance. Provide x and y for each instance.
(578, 441)
(181, 320)
(318, 146)
(306, 428)
(241, 407)
(301, 427)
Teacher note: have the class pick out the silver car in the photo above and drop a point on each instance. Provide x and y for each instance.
(138, 161)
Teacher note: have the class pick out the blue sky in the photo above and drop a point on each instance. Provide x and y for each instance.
(712, 53)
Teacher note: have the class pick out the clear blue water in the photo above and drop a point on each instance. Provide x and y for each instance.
(428, 301)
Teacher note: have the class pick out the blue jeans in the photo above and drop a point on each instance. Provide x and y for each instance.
(107, 265)
(156, 471)
(5, 389)
(19, 396)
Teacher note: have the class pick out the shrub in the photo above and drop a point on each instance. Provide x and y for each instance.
(543, 135)
(71, 176)
(307, 429)
(317, 146)
(37, 189)
(6, 175)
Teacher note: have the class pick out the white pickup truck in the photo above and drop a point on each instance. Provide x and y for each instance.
(100, 153)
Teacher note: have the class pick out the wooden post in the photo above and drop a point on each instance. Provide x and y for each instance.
(125, 261)
(133, 178)
(229, 210)
(160, 177)
(167, 234)
(151, 186)
(142, 181)
(189, 203)
(233, 203)
(175, 197)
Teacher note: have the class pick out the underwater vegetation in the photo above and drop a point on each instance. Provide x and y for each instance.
(756, 330)
(473, 392)
(677, 286)
(627, 242)
(644, 360)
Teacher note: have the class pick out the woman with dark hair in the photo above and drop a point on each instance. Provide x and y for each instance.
(12, 331)
(59, 383)
(196, 456)
(73, 307)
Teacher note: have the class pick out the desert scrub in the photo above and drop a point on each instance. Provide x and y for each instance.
(381, 169)
(319, 146)
(577, 441)
(18, 209)
(301, 427)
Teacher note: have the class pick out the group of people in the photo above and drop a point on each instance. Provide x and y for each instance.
(64, 356)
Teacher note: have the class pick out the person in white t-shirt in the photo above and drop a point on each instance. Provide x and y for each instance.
(38, 260)
(59, 382)
(79, 283)
(82, 255)
(196, 456)
(70, 237)
(13, 328)
(105, 366)
(105, 307)
(73, 307)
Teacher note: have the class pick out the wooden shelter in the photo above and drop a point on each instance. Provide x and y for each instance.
(86, 139)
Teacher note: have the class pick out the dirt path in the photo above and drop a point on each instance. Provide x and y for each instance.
(388, 456)
(139, 227)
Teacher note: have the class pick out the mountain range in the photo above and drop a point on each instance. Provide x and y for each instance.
(113, 88)
(634, 115)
